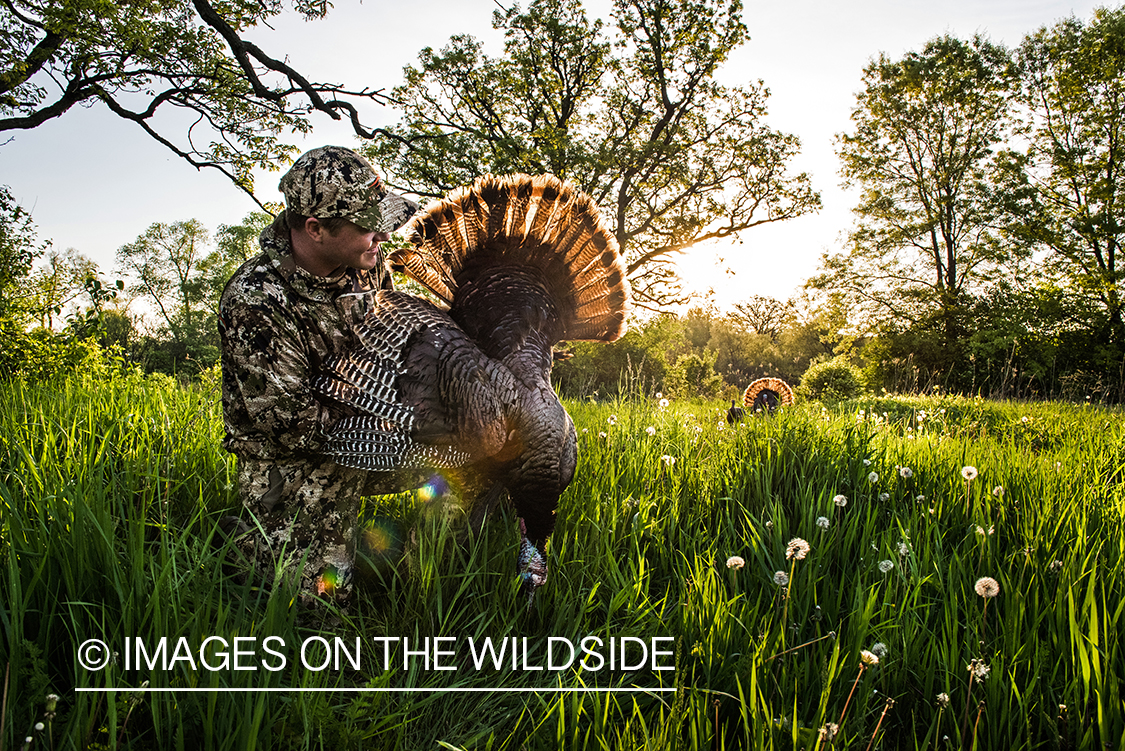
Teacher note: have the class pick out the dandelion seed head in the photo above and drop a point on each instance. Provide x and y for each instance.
(886, 566)
(39, 727)
(829, 731)
(797, 549)
(998, 491)
(904, 548)
(884, 497)
(1055, 566)
(873, 478)
(668, 460)
(780, 578)
(987, 587)
(822, 522)
(969, 473)
(736, 562)
(867, 462)
(905, 473)
(879, 649)
(943, 700)
(612, 419)
(585, 431)
(979, 669)
(663, 403)
(840, 500)
(650, 430)
(602, 434)
(868, 658)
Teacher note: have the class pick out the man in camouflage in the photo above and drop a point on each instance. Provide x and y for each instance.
(282, 313)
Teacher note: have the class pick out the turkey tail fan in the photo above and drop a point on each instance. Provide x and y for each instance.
(540, 223)
(767, 394)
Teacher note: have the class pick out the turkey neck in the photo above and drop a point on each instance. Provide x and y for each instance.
(510, 314)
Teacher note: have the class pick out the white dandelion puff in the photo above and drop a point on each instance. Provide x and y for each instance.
(886, 566)
(879, 649)
(868, 658)
(650, 430)
(987, 587)
(969, 473)
(663, 403)
(873, 478)
(979, 669)
(736, 562)
(797, 549)
(822, 522)
(780, 578)
(905, 473)
(668, 460)
(840, 500)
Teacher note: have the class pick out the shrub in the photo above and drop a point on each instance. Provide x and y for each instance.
(832, 381)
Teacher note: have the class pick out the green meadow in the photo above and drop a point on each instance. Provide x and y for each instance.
(675, 529)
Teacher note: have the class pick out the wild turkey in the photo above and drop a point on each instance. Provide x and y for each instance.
(522, 263)
(767, 394)
(735, 413)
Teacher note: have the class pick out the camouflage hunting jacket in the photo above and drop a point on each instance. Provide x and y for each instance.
(277, 323)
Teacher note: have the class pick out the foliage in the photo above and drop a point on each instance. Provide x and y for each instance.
(111, 491)
(146, 60)
(637, 120)
(832, 381)
(19, 247)
(925, 130)
(1073, 89)
(694, 375)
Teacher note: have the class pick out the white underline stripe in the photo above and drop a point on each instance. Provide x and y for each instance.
(276, 689)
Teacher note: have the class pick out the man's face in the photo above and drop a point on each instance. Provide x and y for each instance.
(353, 246)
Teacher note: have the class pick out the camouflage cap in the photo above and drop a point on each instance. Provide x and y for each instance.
(333, 181)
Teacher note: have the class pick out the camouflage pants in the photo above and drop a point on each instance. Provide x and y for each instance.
(304, 516)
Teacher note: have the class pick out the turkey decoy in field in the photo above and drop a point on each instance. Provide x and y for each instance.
(463, 387)
(767, 394)
(735, 413)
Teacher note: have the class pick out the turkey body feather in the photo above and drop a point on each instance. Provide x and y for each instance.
(522, 262)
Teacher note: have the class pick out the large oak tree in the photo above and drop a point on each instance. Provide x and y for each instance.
(635, 117)
(147, 59)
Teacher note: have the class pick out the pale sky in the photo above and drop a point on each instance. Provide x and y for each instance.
(94, 182)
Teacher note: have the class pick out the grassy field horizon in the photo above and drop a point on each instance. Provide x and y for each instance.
(891, 572)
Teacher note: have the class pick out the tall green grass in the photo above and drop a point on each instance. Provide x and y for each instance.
(110, 493)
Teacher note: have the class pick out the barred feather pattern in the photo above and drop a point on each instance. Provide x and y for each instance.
(538, 222)
(395, 379)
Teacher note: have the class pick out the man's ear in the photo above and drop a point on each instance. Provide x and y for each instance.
(314, 229)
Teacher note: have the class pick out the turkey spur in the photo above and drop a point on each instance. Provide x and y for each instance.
(520, 263)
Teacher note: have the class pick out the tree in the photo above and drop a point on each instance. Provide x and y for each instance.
(638, 121)
(925, 130)
(19, 247)
(142, 58)
(1073, 94)
(163, 263)
(764, 315)
(62, 281)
